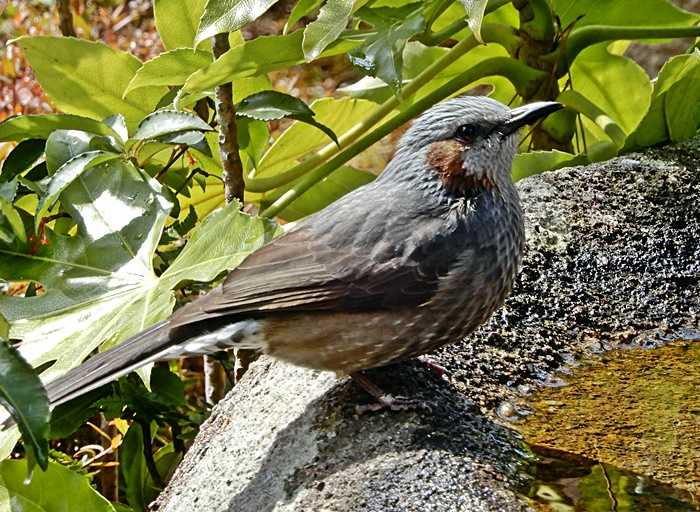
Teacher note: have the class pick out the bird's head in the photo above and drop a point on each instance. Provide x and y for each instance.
(470, 141)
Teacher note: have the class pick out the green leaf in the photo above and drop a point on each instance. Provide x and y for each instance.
(100, 284)
(167, 387)
(68, 417)
(615, 84)
(536, 162)
(670, 115)
(11, 226)
(4, 329)
(222, 16)
(475, 11)
(169, 68)
(23, 395)
(57, 490)
(177, 20)
(164, 122)
(65, 175)
(622, 12)
(325, 29)
(41, 126)
(256, 57)
(133, 467)
(23, 157)
(301, 8)
(343, 180)
(271, 105)
(382, 55)
(117, 123)
(88, 79)
(62, 145)
(300, 140)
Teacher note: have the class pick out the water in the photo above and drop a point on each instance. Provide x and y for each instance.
(563, 483)
(622, 435)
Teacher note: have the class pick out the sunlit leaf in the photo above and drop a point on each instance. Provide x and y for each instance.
(177, 20)
(100, 287)
(164, 122)
(671, 115)
(117, 123)
(255, 57)
(475, 11)
(382, 55)
(41, 126)
(615, 84)
(57, 490)
(88, 78)
(169, 68)
(536, 162)
(272, 105)
(67, 174)
(301, 8)
(24, 397)
(331, 21)
(221, 16)
(622, 12)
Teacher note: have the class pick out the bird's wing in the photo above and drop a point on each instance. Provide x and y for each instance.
(299, 272)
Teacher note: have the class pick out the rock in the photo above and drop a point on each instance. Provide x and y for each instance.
(613, 259)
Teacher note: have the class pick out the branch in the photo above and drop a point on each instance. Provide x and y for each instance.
(65, 18)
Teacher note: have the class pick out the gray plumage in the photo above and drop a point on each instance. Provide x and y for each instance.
(414, 260)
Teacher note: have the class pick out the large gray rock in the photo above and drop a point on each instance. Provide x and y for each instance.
(613, 258)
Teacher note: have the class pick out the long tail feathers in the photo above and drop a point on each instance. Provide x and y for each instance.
(143, 348)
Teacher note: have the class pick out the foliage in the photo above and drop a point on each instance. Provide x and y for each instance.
(109, 210)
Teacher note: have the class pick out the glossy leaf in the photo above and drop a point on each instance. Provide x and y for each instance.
(169, 68)
(41, 126)
(300, 140)
(62, 145)
(271, 105)
(23, 395)
(341, 181)
(221, 16)
(256, 57)
(536, 162)
(475, 12)
(622, 12)
(164, 122)
(117, 123)
(177, 21)
(382, 55)
(331, 21)
(57, 490)
(615, 84)
(88, 79)
(670, 115)
(65, 175)
(100, 284)
(23, 157)
(301, 8)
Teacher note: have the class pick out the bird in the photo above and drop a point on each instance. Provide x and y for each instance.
(414, 260)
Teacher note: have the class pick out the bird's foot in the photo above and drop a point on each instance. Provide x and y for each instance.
(432, 365)
(385, 401)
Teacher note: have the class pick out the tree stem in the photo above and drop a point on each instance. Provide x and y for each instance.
(65, 17)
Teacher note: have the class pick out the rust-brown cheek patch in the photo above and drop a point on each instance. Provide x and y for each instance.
(445, 157)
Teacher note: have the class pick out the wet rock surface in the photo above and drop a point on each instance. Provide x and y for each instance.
(613, 260)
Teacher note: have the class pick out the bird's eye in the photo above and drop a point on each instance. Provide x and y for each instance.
(467, 132)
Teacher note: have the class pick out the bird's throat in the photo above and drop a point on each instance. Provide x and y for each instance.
(446, 159)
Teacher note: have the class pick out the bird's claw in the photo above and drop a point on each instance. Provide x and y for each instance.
(394, 403)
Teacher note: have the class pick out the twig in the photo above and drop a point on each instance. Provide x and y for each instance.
(215, 378)
(65, 18)
(148, 453)
(177, 153)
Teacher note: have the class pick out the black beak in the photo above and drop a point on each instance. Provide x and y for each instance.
(528, 114)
